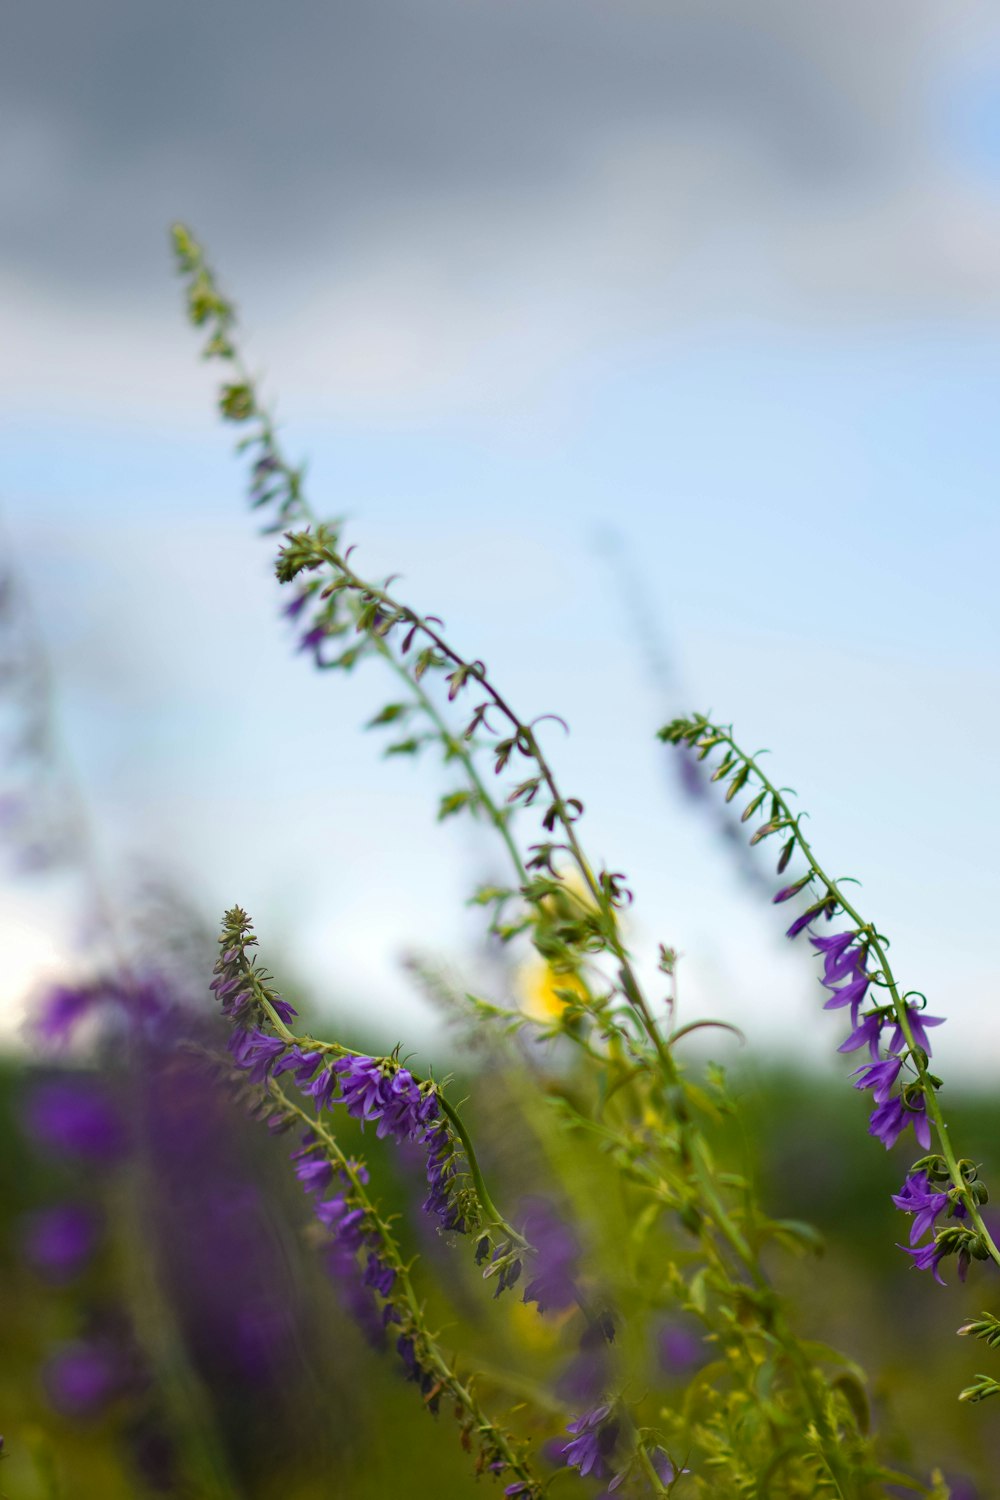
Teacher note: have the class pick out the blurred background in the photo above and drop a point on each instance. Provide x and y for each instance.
(656, 345)
(576, 308)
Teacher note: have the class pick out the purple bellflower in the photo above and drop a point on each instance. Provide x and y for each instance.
(595, 1436)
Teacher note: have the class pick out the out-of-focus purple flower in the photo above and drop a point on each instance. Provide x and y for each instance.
(919, 1021)
(585, 1377)
(920, 1199)
(890, 1119)
(75, 1118)
(64, 1006)
(678, 1349)
(595, 1435)
(312, 640)
(880, 1077)
(298, 604)
(82, 1379)
(357, 1298)
(552, 1286)
(59, 1241)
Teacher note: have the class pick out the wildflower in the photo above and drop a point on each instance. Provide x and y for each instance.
(852, 993)
(867, 1031)
(879, 1077)
(919, 1021)
(378, 1275)
(917, 1197)
(839, 955)
(890, 1119)
(256, 1052)
(314, 1172)
(302, 1064)
(928, 1257)
(595, 1435)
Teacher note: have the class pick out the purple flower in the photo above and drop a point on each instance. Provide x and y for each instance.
(801, 923)
(920, 1199)
(378, 1275)
(302, 1064)
(679, 1349)
(256, 1052)
(880, 1077)
(867, 1031)
(314, 1172)
(77, 1119)
(919, 1020)
(552, 1285)
(312, 640)
(59, 1241)
(82, 1379)
(594, 1437)
(928, 1257)
(839, 954)
(65, 1006)
(890, 1119)
(852, 994)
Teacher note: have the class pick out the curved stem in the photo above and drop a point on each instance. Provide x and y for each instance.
(900, 1009)
(437, 1358)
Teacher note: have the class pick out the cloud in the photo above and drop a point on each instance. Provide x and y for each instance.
(437, 203)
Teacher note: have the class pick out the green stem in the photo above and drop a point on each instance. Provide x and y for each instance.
(475, 1171)
(437, 1358)
(871, 936)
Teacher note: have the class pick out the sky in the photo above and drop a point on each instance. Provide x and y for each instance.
(655, 344)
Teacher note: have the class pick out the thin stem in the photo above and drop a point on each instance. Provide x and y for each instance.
(310, 1044)
(865, 929)
(430, 1346)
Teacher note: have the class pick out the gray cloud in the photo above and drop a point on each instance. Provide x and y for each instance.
(430, 177)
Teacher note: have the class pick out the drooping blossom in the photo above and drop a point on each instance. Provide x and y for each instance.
(891, 1118)
(595, 1436)
(919, 1021)
(919, 1198)
(879, 1077)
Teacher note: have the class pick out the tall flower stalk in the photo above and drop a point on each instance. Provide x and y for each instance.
(771, 1416)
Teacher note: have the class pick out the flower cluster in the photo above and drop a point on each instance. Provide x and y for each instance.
(896, 1034)
(374, 1090)
(926, 1203)
(845, 974)
(238, 983)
